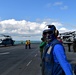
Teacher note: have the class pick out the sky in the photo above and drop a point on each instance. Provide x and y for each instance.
(26, 19)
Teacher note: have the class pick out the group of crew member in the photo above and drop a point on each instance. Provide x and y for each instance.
(53, 56)
(27, 44)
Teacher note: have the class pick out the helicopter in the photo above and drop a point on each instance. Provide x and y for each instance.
(6, 40)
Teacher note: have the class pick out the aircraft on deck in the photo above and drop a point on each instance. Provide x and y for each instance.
(6, 40)
(68, 36)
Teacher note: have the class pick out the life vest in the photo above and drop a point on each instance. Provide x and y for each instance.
(48, 65)
(26, 43)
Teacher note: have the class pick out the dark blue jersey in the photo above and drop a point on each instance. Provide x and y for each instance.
(55, 61)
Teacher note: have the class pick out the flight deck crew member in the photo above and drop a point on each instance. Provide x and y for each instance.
(42, 45)
(26, 44)
(29, 44)
(54, 57)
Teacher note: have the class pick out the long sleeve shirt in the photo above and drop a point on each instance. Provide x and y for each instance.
(60, 57)
(42, 45)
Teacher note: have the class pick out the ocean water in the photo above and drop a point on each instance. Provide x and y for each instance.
(23, 42)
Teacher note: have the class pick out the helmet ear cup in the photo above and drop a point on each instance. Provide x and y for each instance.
(56, 32)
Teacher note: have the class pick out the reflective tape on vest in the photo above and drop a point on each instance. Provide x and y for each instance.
(49, 50)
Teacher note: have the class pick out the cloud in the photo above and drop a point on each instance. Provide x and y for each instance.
(64, 7)
(63, 30)
(61, 5)
(23, 28)
(27, 29)
(54, 4)
(58, 3)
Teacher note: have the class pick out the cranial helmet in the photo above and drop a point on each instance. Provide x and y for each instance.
(44, 34)
(51, 31)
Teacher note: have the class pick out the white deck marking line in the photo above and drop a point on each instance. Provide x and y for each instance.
(4, 53)
(35, 55)
(29, 63)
